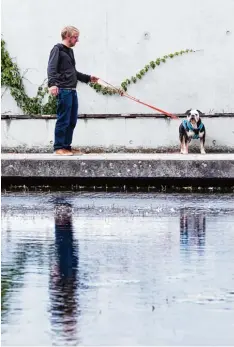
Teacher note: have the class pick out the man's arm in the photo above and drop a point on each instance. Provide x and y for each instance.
(83, 77)
(86, 78)
(52, 69)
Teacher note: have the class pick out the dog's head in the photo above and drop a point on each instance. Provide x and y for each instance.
(193, 116)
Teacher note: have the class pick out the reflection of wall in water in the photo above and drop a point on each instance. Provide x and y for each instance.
(64, 275)
(192, 228)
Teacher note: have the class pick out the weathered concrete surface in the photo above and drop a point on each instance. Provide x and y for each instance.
(124, 165)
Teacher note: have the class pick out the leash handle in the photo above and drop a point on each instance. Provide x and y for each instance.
(122, 93)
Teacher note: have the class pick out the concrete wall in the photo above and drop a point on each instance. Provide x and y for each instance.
(118, 38)
(143, 134)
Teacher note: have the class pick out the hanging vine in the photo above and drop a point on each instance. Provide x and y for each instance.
(12, 79)
(152, 65)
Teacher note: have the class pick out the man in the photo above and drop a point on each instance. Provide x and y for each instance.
(62, 82)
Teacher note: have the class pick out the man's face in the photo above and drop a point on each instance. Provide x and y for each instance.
(72, 40)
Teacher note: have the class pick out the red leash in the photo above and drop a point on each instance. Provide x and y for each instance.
(122, 93)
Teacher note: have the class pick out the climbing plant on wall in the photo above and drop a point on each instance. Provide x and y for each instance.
(133, 79)
(11, 78)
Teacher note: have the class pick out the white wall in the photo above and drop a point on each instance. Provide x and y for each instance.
(113, 46)
(115, 134)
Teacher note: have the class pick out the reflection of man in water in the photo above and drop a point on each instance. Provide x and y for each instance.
(192, 228)
(63, 276)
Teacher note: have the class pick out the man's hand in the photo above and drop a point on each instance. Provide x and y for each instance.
(120, 91)
(53, 90)
(94, 79)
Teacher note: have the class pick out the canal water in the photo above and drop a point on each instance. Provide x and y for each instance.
(117, 269)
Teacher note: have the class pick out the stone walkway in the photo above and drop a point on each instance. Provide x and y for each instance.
(125, 165)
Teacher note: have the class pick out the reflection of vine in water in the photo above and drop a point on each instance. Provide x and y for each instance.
(12, 274)
(12, 79)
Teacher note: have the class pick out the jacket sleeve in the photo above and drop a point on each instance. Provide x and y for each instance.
(52, 68)
(82, 77)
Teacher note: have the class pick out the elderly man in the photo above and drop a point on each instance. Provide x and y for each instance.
(62, 82)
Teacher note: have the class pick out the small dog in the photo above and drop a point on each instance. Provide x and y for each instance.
(192, 128)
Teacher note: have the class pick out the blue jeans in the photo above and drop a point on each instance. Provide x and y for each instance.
(67, 114)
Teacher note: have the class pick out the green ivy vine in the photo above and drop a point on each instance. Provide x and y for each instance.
(152, 65)
(11, 78)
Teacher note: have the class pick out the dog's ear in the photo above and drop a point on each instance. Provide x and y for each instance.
(187, 112)
(200, 113)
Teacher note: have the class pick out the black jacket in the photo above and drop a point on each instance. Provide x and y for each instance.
(62, 68)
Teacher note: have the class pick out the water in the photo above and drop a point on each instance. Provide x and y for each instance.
(117, 269)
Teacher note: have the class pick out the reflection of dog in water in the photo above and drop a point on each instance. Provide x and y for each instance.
(64, 272)
(192, 227)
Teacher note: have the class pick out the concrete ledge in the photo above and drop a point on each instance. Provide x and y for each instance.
(114, 115)
(116, 135)
(168, 166)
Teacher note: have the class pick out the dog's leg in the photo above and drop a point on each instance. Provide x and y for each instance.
(181, 137)
(183, 146)
(202, 143)
(202, 147)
